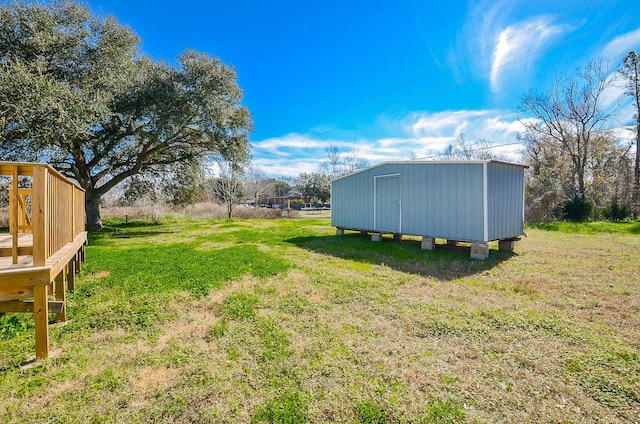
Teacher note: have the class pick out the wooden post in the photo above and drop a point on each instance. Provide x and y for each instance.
(41, 315)
(71, 274)
(14, 215)
(79, 259)
(61, 296)
(38, 208)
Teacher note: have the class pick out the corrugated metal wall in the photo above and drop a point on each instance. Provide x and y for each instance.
(506, 200)
(434, 199)
(441, 200)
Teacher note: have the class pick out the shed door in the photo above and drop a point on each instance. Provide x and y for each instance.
(388, 203)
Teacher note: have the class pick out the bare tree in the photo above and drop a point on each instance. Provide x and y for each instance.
(342, 161)
(466, 150)
(631, 74)
(332, 165)
(228, 185)
(571, 114)
(353, 161)
(257, 184)
(550, 170)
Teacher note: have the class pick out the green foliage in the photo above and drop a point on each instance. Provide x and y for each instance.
(274, 341)
(594, 227)
(11, 325)
(444, 412)
(315, 186)
(577, 209)
(286, 408)
(369, 412)
(218, 330)
(137, 189)
(630, 72)
(183, 185)
(240, 306)
(617, 211)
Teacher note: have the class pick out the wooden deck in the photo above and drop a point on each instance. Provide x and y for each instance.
(45, 247)
(25, 243)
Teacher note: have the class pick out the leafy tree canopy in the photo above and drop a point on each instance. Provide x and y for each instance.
(315, 186)
(76, 92)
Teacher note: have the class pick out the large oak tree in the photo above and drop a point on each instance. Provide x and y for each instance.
(76, 92)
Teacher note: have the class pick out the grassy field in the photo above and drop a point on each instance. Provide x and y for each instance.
(282, 321)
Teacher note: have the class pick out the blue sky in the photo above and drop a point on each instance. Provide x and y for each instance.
(390, 79)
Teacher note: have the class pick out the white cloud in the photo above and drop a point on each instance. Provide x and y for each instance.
(622, 45)
(614, 95)
(420, 135)
(499, 40)
(287, 167)
(515, 42)
(447, 122)
(289, 141)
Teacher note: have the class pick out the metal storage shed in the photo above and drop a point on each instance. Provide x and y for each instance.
(468, 201)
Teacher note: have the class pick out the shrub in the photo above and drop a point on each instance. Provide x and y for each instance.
(617, 211)
(577, 209)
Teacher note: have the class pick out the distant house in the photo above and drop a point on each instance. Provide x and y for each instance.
(460, 201)
(286, 198)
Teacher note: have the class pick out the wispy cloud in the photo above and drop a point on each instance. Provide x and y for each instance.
(498, 40)
(621, 45)
(452, 123)
(287, 142)
(515, 43)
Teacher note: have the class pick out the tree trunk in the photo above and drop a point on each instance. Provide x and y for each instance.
(92, 209)
(636, 170)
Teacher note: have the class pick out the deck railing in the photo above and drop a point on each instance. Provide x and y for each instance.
(53, 210)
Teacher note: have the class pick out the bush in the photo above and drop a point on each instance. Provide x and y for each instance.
(617, 211)
(577, 210)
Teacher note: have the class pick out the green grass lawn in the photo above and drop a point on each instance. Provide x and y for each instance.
(282, 321)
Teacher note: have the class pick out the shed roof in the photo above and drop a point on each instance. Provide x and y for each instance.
(429, 162)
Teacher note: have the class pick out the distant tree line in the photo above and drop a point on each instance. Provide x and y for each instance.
(231, 183)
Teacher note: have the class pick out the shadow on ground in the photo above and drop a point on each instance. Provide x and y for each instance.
(444, 263)
(132, 229)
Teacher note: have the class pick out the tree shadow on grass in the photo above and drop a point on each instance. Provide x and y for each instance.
(132, 229)
(443, 263)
